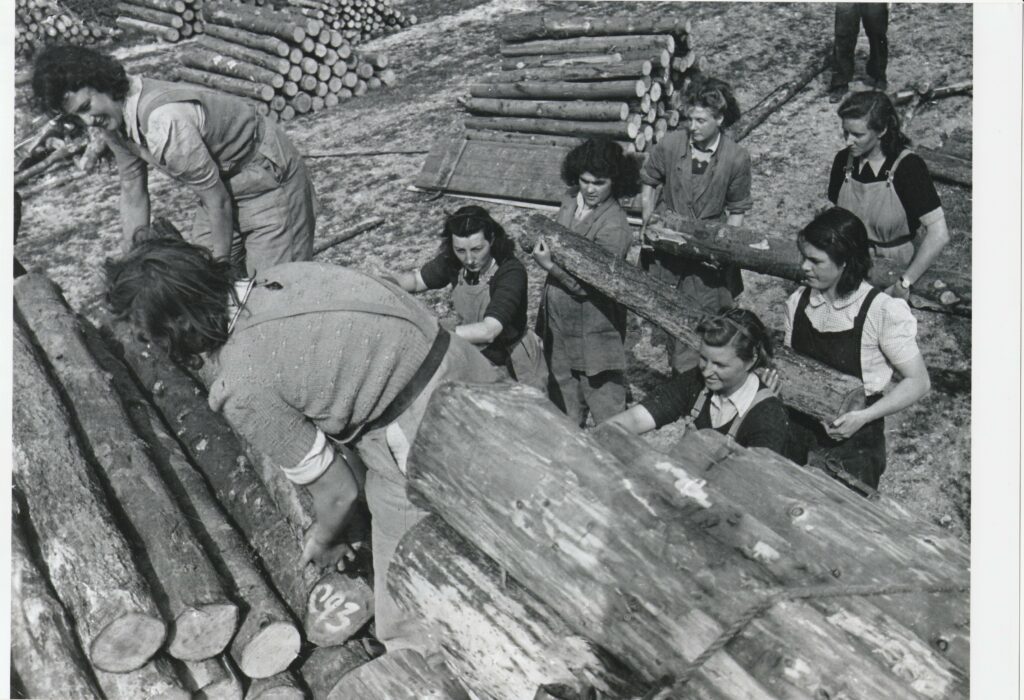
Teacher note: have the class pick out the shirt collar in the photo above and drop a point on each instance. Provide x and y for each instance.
(581, 207)
(710, 150)
(817, 298)
(741, 398)
(243, 288)
(131, 108)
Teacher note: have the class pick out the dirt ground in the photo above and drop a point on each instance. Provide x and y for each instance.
(71, 220)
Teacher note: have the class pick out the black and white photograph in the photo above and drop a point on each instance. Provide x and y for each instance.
(514, 350)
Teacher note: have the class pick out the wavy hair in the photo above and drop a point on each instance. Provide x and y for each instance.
(876, 109)
(843, 237)
(61, 69)
(471, 219)
(715, 96)
(744, 331)
(605, 159)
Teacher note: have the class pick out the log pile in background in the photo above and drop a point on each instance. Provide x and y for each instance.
(357, 20)
(168, 20)
(41, 22)
(287, 63)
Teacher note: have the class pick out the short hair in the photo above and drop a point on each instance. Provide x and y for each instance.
(471, 219)
(743, 330)
(714, 95)
(61, 69)
(605, 159)
(844, 238)
(175, 292)
(875, 108)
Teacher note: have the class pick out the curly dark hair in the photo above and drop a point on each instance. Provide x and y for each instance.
(875, 107)
(61, 69)
(603, 158)
(714, 95)
(843, 237)
(466, 221)
(176, 293)
(744, 331)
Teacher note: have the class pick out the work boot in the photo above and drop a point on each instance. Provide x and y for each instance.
(837, 92)
(878, 83)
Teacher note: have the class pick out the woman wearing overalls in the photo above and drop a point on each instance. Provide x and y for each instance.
(488, 292)
(724, 392)
(839, 319)
(583, 330)
(878, 178)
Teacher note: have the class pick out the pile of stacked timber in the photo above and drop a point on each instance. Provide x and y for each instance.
(289, 64)
(168, 20)
(562, 75)
(40, 22)
(357, 20)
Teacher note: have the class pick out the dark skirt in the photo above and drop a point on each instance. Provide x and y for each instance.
(862, 456)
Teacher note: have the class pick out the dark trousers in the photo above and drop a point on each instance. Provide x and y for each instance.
(849, 17)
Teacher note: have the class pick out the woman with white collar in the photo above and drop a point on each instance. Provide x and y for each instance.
(839, 319)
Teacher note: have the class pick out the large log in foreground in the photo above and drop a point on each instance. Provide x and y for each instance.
(810, 387)
(946, 166)
(88, 559)
(501, 641)
(661, 577)
(398, 675)
(205, 619)
(758, 249)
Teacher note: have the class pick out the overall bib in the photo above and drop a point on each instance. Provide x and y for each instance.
(880, 208)
(525, 361)
(730, 429)
(862, 455)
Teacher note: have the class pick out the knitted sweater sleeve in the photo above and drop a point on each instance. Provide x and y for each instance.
(767, 425)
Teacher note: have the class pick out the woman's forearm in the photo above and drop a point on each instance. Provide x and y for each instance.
(907, 392)
(935, 239)
(134, 208)
(217, 203)
(481, 332)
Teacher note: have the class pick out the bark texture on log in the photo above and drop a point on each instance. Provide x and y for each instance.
(215, 678)
(617, 70)
(609, 89)
(260, 42)
(214, 62)
(946, 166)
(398, 675)
(658, 57)
(204, 617)
(499, 639)
(86, 556)
(234, 16)
(283, 686)
(811, 387)
(592, 44)
(653, 574)
(326, 666)
(559, 25)
(584, 110)
(235, 86)
(157, 680)
(563, 127)
(338, 606)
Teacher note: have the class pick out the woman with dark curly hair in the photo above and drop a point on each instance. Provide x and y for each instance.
(477, 258)
(731, 390)
(878, 178)
(841, 320)
(701, 174)
(257, 204)
(583, 331)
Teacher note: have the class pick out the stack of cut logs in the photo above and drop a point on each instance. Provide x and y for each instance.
(289, 64)
(39, 22)
(357, 20)
(567, 76)
(168, 20)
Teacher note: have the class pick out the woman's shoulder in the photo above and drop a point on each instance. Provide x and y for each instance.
(510, 267)
(910, 165)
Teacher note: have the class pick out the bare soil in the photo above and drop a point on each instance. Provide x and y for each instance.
(71, 220)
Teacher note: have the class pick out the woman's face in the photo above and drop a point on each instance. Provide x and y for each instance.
(723, 370)
(474, 252)
(863, 141)
(820, 271)
(704, 125)
(95, 108)
(595, 189)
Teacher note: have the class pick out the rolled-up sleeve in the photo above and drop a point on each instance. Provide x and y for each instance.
(738, 199)
(508, 294)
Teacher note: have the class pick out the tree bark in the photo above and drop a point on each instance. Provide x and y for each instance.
(283, 686)
(592, 44)
(653, 568)
(234, 16)
(559, 25)
(166, 33)
(657, 57)
(398, 675)
(501, 641)
(43, 646)
(551, 140)
(204, 617)
(596, 71)
(157, 680)
(946, 166)
(253, 40)
(234, 86)
(215, 678)
(176, 6)
(610, 111)
(810, 386)
(232, 67)
(166, 19)
(604, 90)
(271, 62)
(762, 250)
(562, 127)
(326, 665)
(87, 557)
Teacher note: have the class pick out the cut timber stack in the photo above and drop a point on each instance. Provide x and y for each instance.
(287, 63)
(357, 20)
(41, 22)
(168, 20)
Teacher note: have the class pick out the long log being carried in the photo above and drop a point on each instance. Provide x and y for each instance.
(668, 572)
(810, 387)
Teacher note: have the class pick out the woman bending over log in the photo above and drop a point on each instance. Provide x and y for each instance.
(257, 204)
(307, 358)
(583, 331)
(477, 258)
(731, 390)
(840, 319)
(702, 175)
(878, 178)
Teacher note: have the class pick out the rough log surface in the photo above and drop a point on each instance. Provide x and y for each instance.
(398, 675)
(564, 25)
(591, 44)
(604, 90)
(215, 678)
(283, 686)
(947, 166)
(564, 127)
(499, 639)
(326, 666)
(617, 70)
(591, 111)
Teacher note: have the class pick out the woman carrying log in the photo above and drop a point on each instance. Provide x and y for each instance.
(583, 331)
(477, 258)
(839, 319)
(304, 355)
(257, 202)
(878, 178)
(703, 175)
(731, 390)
